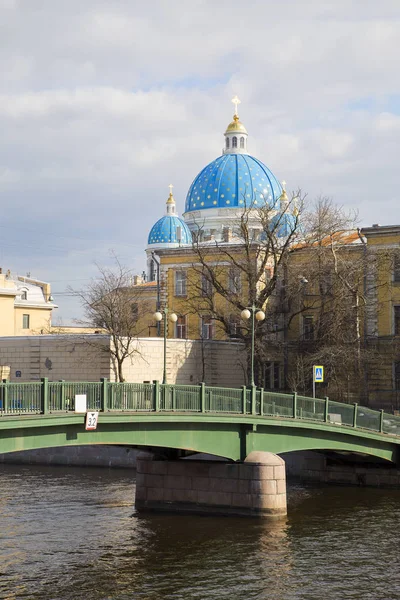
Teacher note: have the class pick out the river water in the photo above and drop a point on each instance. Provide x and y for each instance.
(73, 533)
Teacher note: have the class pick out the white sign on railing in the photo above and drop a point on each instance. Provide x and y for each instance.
(80, 403)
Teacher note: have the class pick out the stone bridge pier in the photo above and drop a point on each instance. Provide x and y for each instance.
(255, 487)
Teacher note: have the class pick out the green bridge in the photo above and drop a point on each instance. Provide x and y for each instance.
(226, 422)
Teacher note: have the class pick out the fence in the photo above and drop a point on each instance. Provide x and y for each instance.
(57, 397)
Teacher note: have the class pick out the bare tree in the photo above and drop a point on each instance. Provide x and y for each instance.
(303, 259)
(228, 277)
(114, 306)
(332, 263)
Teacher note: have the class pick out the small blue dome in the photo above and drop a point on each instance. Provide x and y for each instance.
(233, 180)
(165, 231)
(283, 224)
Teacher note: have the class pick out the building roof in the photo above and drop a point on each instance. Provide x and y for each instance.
(232, 181)
(344, 238)
(166, 230)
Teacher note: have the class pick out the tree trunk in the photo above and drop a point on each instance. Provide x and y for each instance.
(119, 374)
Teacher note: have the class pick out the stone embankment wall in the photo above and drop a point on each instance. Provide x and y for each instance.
(315, 466)
(84, 358)
(76, 456)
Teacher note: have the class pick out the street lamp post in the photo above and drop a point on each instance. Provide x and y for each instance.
(159, 316)
(256, 315)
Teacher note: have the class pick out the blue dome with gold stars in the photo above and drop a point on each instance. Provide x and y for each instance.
(170, 230)
(165, 231)
(283, 224)
(231, 181)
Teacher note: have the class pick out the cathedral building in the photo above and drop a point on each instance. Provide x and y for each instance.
(200, 266)
(234, 184)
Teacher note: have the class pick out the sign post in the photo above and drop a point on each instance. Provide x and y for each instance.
(318, 376)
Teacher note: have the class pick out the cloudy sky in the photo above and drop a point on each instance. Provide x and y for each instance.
(103, 103)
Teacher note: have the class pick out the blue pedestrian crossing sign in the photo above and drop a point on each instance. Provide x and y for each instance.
(318, 374)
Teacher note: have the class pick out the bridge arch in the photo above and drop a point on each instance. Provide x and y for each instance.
(232, 437)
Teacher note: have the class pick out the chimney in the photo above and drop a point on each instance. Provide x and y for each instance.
(226, 234)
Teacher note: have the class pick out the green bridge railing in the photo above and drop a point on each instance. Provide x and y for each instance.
(45, 397)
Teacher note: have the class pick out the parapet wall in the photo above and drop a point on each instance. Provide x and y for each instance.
(83, 357)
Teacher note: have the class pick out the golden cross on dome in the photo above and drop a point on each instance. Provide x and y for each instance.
(284, 185)
(236, 101)
(170, 189)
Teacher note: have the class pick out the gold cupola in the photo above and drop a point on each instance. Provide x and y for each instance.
(171, 202)
(284, 200)
(235, 134)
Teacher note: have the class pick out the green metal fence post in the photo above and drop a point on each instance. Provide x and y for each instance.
(294, 405)
(5, 397)
(173, 398)
(244, 399)
(253, 399)
(381, 421)
(203, 397)
(326, 409)
(156, 392)
(44, 395)
(62, 395)
(261, 401)
(355, 414)
(104, 394)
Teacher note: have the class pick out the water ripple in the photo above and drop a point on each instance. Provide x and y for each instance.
(70, 534)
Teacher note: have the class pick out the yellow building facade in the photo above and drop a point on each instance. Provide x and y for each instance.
(26, 305)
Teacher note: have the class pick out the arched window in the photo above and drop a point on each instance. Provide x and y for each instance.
(152, 274)
(234, 142)
(227, 142)
(24, 295)
(242, 142)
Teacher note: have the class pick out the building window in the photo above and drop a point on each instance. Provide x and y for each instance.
(234, 281)
(396, 268)
(152, 271)
(180, 283)
(272, 376)
(181, 328)
(325, 284)
(308, 328)
(234, 142)
(25, 321)
(206, 286)
(227, 142)
(234, 327)
(396, 375)
(396, 317)
(242, 142)
(206, 328)
(24, 295)
(135, 310)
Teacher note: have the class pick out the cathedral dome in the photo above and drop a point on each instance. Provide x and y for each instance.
(170, 231)
(236, 125)
(284, 224)
(166, 231)
(233, 181)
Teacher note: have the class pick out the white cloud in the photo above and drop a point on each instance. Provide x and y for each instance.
(103, 104)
